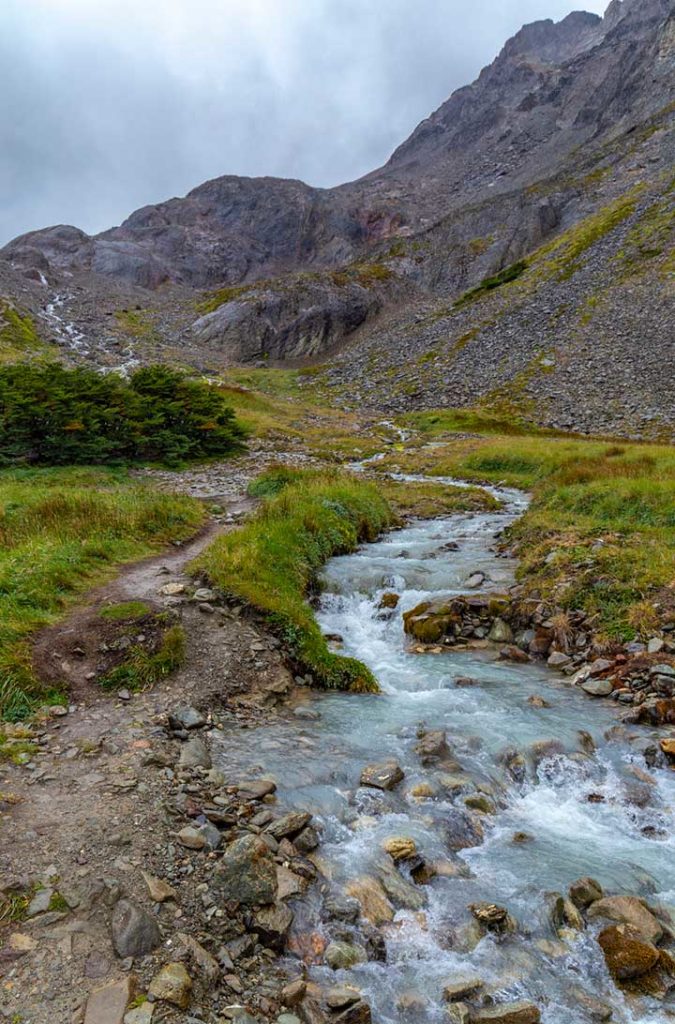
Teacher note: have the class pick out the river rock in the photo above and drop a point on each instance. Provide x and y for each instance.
(461, 831)
(458, 1013)
(272, 924)
(389, 600)
(289, 825)
(341, 907)
(432, 746)
(597, 687)
(508, 1013)
(585, 891)
(513, 653)
(382, 776)
(401, 892)
(293, 993)
(194, 754)
(173, 985)
(256, 789)
(375, 906)
(558, 660)
(493, 918)
(359, 1013)
(247, 873)
(400, 848)
(626, 953)
(344, 955)
(186, 717)
(108, 1004)
(342, 996)
(500, 632)
(628, 910)
(462, 988)
(134, 931)
(307, 840)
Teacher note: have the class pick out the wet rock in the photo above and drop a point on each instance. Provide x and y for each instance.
(480, 802)
(342, 996)
(585, 891)
(462, 988)
(194, 754)
(272, 925)
(289, 825)
(626, 953)
(600, 665)
(493, 918)
(461, 831)
(400, 848)
(513, 653)
(466, 681)
(134, 931)
(289, 883)
(432, 746)
(247, 874)
(172, 985)
(389, 600)
(401, 892)
(107, 1005)
(159, 890)
(508, 1013)
(307, 840)
(558, 660)
(597, 687)
(341, 908)
(628, 910)
(375, 906)
(359, 1013)
(382, 776)
(521, 838)
(476, 580)
(538, 702)
(344, 955)
(458, 1013)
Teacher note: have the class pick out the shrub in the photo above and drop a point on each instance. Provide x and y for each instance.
(50, 415)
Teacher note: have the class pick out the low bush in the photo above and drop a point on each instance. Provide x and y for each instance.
(50, 415)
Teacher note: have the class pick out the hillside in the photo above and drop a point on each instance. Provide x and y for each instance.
(559, 154)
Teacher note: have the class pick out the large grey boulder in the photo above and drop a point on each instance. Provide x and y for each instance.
(135, 932)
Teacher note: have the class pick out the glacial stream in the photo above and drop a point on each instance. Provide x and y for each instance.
(579, 812)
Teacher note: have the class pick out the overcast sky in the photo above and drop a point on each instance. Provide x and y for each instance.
(106, 105)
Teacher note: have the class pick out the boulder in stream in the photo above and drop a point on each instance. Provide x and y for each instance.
(628, 910)
(626, 953)
(247, 873)
(508, 1013)
(382, 776)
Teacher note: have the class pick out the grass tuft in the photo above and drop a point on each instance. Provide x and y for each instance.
(273, 562)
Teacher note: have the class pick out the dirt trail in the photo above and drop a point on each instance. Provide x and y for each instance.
(88, 812)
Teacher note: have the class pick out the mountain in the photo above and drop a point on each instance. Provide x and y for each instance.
(516, 249)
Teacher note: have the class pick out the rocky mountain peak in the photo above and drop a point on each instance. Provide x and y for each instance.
(553, 42)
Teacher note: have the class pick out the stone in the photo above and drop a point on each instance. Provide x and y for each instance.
(134, 931)
(382, 776)
(432, 746)
(359, 1013)
(585, 891)
(159, 890)
(140, 1014)
(293, 993)
(191, 837)
(461, 831)
(480, 802)
(256, 789)
(206, 964)
(172, 985)
(476, 580)
(246, 874)
(600, 665)
(341, 907)
(628, 910)
(558, 660)
(389, 600)
(373, 900)
(400, 848)
(668, 746)
(289, 825)
(597, 687)
(458, 1013)
(39, 904)
(655, 645)
(307, 840)
(343, 955)
(626, 953)
(107, 1005)
(172, 589)
(272, 924)
(500, 632)
(513, 653)
(194, 754)
(401, 892)
(288, 1018)
(289, 883)
(204, 594)
(493, 917)
(341, 996)
(186, 717)
(461, 989)
(508, 1013)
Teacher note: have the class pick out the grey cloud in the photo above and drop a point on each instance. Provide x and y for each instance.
(106, 107)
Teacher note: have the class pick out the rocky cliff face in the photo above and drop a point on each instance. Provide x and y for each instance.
(569, 118)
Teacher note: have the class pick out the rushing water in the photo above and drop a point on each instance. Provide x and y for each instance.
(621, 835)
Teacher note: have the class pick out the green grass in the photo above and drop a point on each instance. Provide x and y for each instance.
(479, 421)
(125, 610)
(272, 563)
(143, 668)
(600, 531)
(61, 531)
(18, 336)
(489, 284)
(429, 500)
